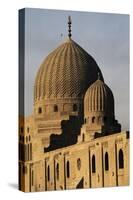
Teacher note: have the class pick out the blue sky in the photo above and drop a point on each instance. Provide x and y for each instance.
(104, 36)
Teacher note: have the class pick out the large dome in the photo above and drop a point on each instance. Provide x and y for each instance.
(67, 72)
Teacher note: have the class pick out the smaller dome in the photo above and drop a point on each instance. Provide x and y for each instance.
(99, 98)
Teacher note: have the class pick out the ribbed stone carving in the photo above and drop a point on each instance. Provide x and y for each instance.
(66, 72)
(99, 98)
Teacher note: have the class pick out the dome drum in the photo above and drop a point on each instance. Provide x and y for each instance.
(58, 107)
(99, 119)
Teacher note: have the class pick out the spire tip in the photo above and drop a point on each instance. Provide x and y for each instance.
(69, 26)
(98, 75)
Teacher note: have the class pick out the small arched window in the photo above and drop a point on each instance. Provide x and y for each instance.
(39, 110)
(68, 169)
(85, 120)
(29, 138)
(75, 107)
(106, 162)
(48, 173)
(121, 159)
(93, 164)
(28, 129)
(55, 108)
(26, 138)
(93, 119)
(79, 163)
(57, 171)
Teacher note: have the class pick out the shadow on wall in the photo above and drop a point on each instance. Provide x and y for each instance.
(69, 135)
(80, 185)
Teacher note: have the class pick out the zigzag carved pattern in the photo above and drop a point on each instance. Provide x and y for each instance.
(66, 72)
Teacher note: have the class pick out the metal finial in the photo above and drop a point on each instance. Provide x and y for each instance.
(69, 26)
(98, 75)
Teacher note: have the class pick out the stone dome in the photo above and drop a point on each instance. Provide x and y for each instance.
(67, 72)
(99, 99)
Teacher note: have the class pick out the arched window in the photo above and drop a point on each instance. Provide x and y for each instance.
(30, 151)
(68, 169)
(75, 107)
(93, 119)
(85, 120)
(48, 173)
(28, 156)
(78, 163)
(28, 129)
(57, 171)
(55, 108)
(93, 164)
(106, 162)
(39, 110)
(26, 138)
(29, 138)
(121, 159)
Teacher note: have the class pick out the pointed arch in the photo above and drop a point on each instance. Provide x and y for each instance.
(39, 110)
(55, 108)
(48, 171)
(75, 107)
(121, 159)
(93, 164)
(68, 169)
(57, 171)
(93, 119)
(78, 163)
(106, 161)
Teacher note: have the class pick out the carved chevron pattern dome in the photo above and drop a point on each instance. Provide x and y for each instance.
(66, 72)
(99, 98)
